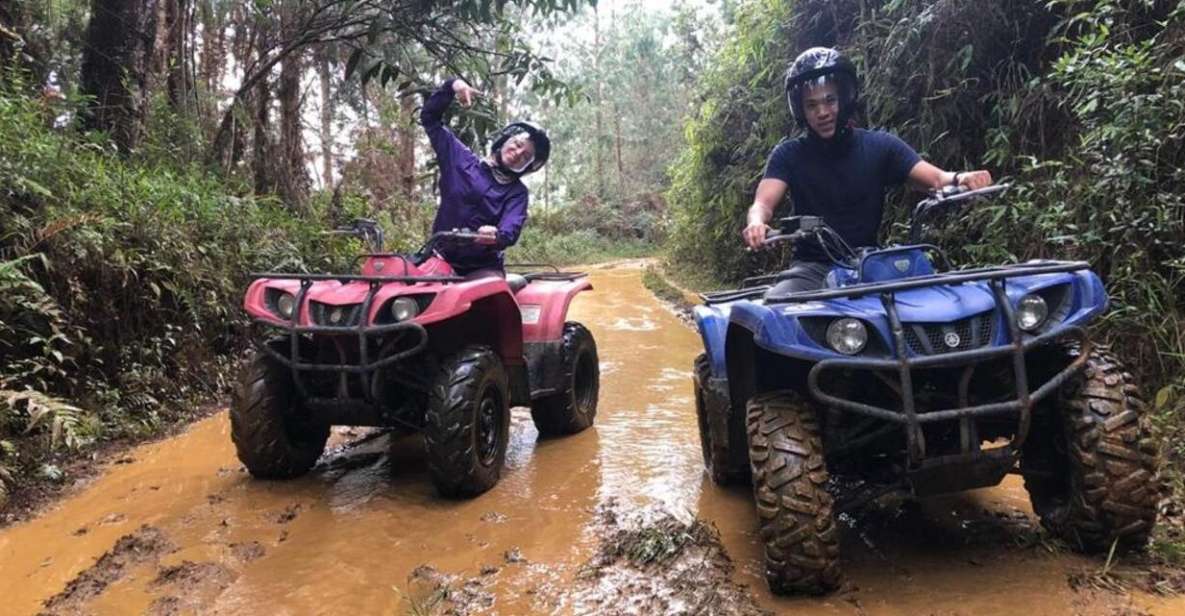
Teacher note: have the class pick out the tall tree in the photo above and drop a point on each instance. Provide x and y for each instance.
(120, 39)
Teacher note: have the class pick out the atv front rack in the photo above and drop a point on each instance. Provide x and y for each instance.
(365, 368)
(983, 274)
(757, 286)
(984, 467)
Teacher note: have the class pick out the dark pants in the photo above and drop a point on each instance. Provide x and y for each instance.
(802, 276)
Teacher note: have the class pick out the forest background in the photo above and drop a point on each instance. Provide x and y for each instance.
(154, 152)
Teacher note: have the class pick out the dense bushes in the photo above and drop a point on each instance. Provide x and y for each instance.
(120, 281)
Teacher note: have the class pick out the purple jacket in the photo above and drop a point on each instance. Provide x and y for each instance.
(470, 197)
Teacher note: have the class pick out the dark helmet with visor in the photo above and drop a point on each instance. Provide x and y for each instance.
(538, 137)
(817, 66)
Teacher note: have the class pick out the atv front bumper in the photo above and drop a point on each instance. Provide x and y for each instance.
(355, 345)
(972, 467)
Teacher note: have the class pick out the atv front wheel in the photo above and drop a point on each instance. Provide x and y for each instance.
(1093, 468)
(574, 407)
(468, 423)
(790, 487)
(272, 438)
(711, 412)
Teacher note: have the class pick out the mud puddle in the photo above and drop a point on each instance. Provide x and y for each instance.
(618, 519)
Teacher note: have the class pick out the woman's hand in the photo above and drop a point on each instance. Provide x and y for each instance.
(465, 92)
(487, 234)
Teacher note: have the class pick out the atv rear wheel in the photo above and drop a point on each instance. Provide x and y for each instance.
(272, 439)
(574, 407)
(711, 412)
(468, 423)
(790, 487)
(1096, 479)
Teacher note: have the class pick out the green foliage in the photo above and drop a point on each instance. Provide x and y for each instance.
(741, 118)
(60, 421)
(121, 280)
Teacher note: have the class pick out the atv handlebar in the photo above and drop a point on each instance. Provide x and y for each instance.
(795, 229)
(462, 235)
(948, 196)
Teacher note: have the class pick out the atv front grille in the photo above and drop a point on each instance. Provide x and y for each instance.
(939, 338)
(346, 315)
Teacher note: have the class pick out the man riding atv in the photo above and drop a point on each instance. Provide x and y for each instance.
(836, 171)
(866, 371)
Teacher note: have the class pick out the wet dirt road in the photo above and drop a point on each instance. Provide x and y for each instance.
(179, 527)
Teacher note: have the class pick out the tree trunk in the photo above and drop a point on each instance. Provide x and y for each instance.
(120, 38)
(212, 64)
(325, 77)
(600, 93)
(261, 107)
(178, 24)
(294, 180)
(407, 146)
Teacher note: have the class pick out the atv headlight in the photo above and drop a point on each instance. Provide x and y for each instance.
(286, 305)
(1031, 311)
(404, 308)
(847, 336)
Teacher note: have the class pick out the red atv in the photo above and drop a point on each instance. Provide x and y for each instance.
(408, 344)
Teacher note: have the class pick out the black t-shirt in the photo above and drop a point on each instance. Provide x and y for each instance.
(845, 185)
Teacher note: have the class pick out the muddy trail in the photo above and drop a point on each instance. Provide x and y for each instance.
(619, 519)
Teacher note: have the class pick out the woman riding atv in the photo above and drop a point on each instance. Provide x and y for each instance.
(485, 194)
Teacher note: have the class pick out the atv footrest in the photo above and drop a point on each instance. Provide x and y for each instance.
(955, 473)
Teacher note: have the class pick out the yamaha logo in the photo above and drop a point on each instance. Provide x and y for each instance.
(902, 265)
(952, 339)
(335, 317)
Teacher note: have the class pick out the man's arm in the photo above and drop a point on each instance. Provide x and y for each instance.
(769, 194)
(924, 176)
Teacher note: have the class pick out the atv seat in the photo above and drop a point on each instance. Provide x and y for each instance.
(516, 282)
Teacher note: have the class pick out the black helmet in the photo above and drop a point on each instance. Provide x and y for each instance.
(816, 66)
(535, 133)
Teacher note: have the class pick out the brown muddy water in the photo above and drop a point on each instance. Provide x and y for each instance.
(178, 527)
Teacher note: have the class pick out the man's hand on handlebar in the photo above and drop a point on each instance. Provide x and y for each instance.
(754, 235)
(974, 180)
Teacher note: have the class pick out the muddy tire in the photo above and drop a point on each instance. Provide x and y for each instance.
(575, 407)
(790, 487)
(724, 466)
(1098, 479)
(468, 423)
(272, 439)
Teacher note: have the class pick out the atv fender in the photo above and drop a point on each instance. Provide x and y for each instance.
(544, 310)
(544, 305)
(482, 312)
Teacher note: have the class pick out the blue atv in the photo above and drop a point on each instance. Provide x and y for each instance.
(905, 376)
